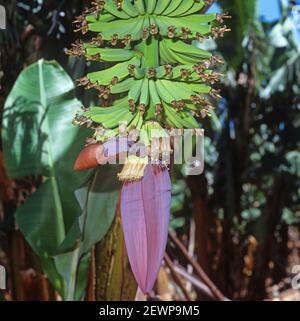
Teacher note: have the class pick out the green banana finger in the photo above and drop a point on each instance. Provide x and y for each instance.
(179, 92)
(161, 6)
(163, 26)
(139, 73)
(197, 19)
(151, 4)
(135, 91)
(136, 33)
(199, 5)
(182, 8)
(198, 88)
(110, 7)
(120, 28)
(155, 99)
(139, 4)
(164, 92)
(172, 7)
(180, 71)
(105, 17)
(181, 119)
(166, 22)
(114, 118)
(118, 71)
(171, 117)
(123, 86)
(186, 49)
(144, 99)
(108, 54)
(167, 56)
(129, 8)
(160, 72)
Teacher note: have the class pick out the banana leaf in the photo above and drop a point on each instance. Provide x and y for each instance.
(39, 139)
(244, 15)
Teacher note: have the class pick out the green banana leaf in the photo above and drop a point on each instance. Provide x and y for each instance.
(285, 59)
(98, 199)
(244, 15)
(39, 139)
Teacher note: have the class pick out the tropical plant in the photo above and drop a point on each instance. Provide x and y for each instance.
(238, 219)
(156, 78)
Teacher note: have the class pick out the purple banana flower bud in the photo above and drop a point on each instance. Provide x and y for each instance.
(99, 154)
(145, 210)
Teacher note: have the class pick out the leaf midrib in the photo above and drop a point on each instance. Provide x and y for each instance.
(58, 205)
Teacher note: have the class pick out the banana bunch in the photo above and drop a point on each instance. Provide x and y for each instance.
(155, 70)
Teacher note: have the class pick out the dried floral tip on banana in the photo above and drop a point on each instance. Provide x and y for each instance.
(215, 94)
(98, 6)
(154, 29)
(168, 69)
(185, 73)
(97, 41)
(127, 40)
(96, 57)
(221, 16)
(219, 32)
(77, 49)
(151, 73)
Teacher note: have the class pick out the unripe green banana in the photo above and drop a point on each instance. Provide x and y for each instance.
(172, 7)
(145, 95)
(184, 7)
(154, 65)
(135, 92)
(139, 4)
(161, 6)
(151, 4)
(129, 8)
(197, 6)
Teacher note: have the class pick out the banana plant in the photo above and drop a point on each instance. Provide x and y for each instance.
(155, 78)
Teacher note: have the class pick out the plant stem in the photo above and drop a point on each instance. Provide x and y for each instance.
(114, 279)
(177, 277)
(204, 277)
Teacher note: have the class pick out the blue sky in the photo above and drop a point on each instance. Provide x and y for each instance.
(268, 9)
